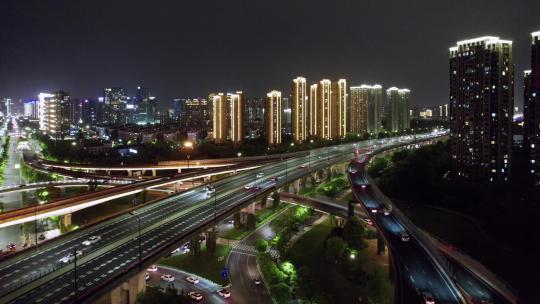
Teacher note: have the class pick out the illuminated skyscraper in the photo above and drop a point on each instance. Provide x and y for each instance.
(398, 110)
(532, 110)
(359, 109)
(338, 105)
(273, 118)
(219, 112)
(404, 114)
(299, 109)
(313, 110)
(237, 117)
(56, 114)
(115, 101)
(481, 108)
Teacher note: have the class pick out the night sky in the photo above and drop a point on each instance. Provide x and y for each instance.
(191, 48)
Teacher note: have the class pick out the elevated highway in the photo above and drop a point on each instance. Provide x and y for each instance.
(132, 241)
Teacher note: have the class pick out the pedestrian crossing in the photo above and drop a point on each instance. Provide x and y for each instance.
(250, 250)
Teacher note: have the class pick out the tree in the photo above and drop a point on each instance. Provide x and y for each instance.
(378, 166)
(307, 286)
(275, 200)
(353, 232)
(261, 245)
(380, 243)
(281, 292)
(335, 246)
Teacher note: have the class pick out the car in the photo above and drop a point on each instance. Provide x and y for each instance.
(209, 189)
(224, 293)
(167, 277)
(177, 250)
(364, 186)
(303, 166)
(404, 236)
(91, 240)
(70, 257)
(147, 276)
(428, 298)
(41, 237)
(259, 175)
(230, 221)
(11, 247)
(192, 280)
(194, 295)
(353, 170)
(248, 186)
(152, 268)
(369, 222)
(257, 281)
(374, 210)
(274, 178)
(385, 211)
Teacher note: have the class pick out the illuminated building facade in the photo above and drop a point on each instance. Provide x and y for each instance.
(481, 108)
(237, 117)
(219, 122)
(299, 110)
(273, 120)
(532, 110)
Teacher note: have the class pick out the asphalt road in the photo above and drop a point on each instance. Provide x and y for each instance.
(417, 270)
(164, 223)
(207, 288)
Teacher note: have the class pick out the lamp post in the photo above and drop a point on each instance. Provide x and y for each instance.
(189, 145)
(138, 238)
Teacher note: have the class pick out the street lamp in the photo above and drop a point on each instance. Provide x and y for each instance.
(139, 238)
(189, 145)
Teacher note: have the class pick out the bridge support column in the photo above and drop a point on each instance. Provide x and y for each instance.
(66, 220)
(263, 201)
(211, 237)
(195, 246)
(154, 173)
(127, 292)
(130, 173)
(237, 217)
(179, 170)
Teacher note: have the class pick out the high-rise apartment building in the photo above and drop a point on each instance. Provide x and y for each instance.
(56, 114)
(359, 109)
(339, 109)
(299, 110)
(92, 111)
(313, 110)
(219, 112)
(273, 118)
(254, 114)
(237, 117)
(31, 109)
(481, 108)
(532, 110)
(398, 114)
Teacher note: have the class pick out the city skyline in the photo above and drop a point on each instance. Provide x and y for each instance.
(137, 55)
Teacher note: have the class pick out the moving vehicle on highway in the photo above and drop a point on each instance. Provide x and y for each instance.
(260, 175)
(257, 281)
(194, 295)
(224, 293)
(91, 240)
(167, 278)
(209, 189)
(192, 280)
(70, 257)
(428, 298)
(152, 268)
(404, 236)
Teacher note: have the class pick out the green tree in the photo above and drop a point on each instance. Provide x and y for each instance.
(378, 166)
(281, 292)
(307, 286)
(335, 246)
(261, 245)
(353, 232)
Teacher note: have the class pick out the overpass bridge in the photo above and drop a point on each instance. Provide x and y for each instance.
(132, 241)
(423, 264)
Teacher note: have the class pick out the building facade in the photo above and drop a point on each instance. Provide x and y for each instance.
(481, 108)
(219, 122)
(299, 110)
(237, 117)
(339, 109)
(56, 115)
(531, 110)
(273, 118)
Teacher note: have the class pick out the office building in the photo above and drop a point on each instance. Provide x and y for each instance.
(219, 112)
(273, 118)
(115, 102)
(194, 114)
(56, 115)
(299, 110)
(31, 109)
(92, 111)
(237, 117)
(531, 110)
(481, 108)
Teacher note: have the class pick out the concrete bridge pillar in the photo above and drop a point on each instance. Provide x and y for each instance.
(249, 209)
(263, 201)
(179, 170)
(154, 172)
(126, 293)
(66, 220)
(130, 173)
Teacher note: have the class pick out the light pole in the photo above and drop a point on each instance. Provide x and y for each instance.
(138, 238)
(189, 145)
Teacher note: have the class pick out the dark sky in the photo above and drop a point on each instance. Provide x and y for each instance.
(190, 48)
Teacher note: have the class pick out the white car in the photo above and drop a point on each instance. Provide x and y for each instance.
(257, 281)
(259, 175)
(428, 298)
(194, 295)
(248, 187)
(209, 189)
(192, 280)
(91, 240)
(385, 211)
(224, 293)
(404, 236)
(70, 257)
(152, 268)
(167, 278)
